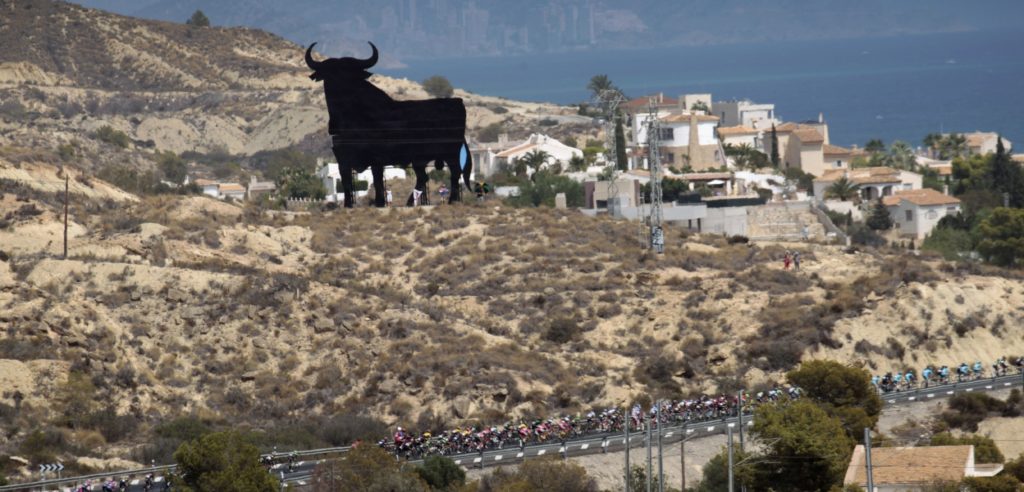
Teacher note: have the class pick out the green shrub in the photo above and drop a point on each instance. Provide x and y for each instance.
(441, 473)
(114, 137)
(561, 330)
(985, 449)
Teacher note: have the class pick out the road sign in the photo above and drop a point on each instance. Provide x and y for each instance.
(51, 467)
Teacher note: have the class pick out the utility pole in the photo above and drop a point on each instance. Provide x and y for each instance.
(650, 461)
(867, 459)
(739, 405)
(682, 458)
(65, 214)
(654, 156)
(731, 489)
(661, 469)
(628, 421)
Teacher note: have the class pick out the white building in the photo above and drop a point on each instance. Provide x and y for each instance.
(557, 152)
(210, 188)
(982, 143)
(259, 188)
(738, 136)
(917, 212)
(330, 175)
(687, 139)
(906, 469)
(231, 190)
(745, 113)
(485, 155)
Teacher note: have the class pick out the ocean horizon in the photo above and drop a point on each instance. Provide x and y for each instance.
(892, 88)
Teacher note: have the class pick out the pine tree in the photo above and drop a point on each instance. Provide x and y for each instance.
(775, 147)
(620, 146)
(879, 219)
(198, 19)
(1007, 176)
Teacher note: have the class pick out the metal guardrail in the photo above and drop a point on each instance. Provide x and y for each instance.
(492, 457)
(57, 482)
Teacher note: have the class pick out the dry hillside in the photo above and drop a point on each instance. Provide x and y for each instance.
(66, 71)
(186, 305)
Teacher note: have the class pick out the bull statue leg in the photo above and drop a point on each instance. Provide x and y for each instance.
(346, 184)
(420, 168)
(378, 185)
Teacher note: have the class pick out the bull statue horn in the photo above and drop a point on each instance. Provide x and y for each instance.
(372, 60)
(313, 64)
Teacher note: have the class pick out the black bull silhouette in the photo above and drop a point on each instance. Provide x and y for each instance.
(370, 130)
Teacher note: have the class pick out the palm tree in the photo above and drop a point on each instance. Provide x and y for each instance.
(599, 84)
(577, 163)
(533, 159)
(932, 141)
(842, 189)
(875, 145)
(953, 145)
(901, 156)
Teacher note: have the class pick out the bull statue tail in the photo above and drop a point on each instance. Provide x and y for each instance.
(466, 164)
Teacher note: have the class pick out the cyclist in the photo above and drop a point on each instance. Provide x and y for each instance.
(979, 370)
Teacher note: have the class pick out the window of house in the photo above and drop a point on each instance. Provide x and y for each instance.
(666, 134)
(907, 186)
(950, 210)
(839, 164)
(909, 215)
(932, 215)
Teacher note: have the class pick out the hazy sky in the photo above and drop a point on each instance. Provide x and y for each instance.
(409, 29)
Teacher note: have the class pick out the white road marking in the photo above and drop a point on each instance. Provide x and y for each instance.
(970, 389)
(561, 449)
(158, 479)
(712, 428)
(949, 392)
(912, 398)
(585, 446)
(519, 455)
(931, 395)
(689, 431)
(477, 460)
(988, 387)
(135, 482)
(497, 458)
(668, 434)
(458, 462)
(541, 452)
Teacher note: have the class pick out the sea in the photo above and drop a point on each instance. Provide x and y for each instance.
(890, 88)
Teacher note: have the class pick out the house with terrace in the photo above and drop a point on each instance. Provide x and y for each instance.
(872, 183)
(917, 212)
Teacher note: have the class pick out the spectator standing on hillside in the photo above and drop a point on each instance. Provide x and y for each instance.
(443, 192)
(796, 260)
(416, 197)
(387, 196)
(786, 260)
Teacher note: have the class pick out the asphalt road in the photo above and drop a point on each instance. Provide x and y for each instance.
(302, 472)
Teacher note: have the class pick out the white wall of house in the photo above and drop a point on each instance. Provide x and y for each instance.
(212, 190)
(917, 221)
(910, 180)
(742, 139)
(811, 160)
(746, 113)
(680, 133)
